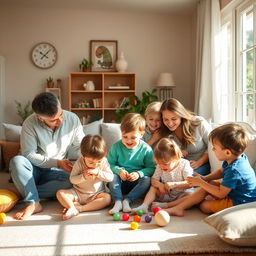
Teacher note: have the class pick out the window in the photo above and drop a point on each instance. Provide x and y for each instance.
(240, 80)
(245, 86)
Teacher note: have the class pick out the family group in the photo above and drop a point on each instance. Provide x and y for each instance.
(161, 157)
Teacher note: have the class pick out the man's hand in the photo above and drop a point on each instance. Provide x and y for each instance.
(123, 174)
(65, 164)
(133, 176)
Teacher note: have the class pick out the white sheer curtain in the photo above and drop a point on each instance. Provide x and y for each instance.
(207, 86)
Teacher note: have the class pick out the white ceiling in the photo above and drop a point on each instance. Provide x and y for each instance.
(158, 6)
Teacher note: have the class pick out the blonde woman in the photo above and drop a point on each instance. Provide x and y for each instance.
(189, 131)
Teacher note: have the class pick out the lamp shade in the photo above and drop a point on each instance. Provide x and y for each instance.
(165, 79)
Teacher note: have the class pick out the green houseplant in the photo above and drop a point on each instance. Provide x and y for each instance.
(134, 104)
(85, 65)
(50, 82)
(23, 111)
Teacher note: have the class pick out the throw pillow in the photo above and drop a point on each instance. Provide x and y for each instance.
(12, 132)
(9, 150)
(111, 133)
(235, 225)
(7, 200)
(92, 128)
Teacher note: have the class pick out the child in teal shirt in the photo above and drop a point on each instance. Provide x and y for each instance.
(131, 161)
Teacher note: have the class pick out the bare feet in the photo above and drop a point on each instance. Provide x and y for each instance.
(174, 211)
(69, 213)
(28, 211)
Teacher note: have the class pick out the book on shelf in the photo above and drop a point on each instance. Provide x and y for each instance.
(119, 87)
(97, 102)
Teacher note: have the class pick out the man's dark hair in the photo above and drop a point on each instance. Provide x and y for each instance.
(45, 104)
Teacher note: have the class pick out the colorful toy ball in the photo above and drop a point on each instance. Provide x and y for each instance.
(116, 216)
(125, 216)
(136, 218)
(134, 225)
(156, 209)
(2, 217)
(139, 212)
(162, 218)
(148, 218)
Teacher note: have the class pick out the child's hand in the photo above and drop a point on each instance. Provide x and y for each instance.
(123, 174)
(156, 134)
(133, 176)
(87, 175)
(169, 185)
(94, 172)
(194, 181)
(162, 189)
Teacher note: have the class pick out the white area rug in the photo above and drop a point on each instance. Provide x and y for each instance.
(95, 233)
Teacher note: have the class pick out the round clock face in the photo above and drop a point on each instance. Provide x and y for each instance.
(44, 55)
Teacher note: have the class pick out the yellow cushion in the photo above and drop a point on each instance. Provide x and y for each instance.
(7, 200)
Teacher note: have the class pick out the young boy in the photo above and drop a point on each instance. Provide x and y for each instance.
(238, 183)
(131, 161)
(88, 175)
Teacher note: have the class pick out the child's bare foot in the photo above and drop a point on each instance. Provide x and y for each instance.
(174, 211)
(28, 211)
(71, 212)
(79, 206)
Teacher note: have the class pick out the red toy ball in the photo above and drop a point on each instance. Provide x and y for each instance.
(156, 209)
(136, 218)
(125, 216)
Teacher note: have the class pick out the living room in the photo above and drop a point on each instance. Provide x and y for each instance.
(155, 37)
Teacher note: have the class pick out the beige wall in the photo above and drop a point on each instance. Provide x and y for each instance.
(152, 43)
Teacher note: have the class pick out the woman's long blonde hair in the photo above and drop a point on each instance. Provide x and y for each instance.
(188, 124)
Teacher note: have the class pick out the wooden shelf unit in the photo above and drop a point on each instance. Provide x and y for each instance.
(110, 98)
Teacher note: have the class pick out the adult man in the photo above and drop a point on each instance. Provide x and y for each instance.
(48, 137)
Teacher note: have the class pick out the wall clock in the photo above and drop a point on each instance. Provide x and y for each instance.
(44, 55)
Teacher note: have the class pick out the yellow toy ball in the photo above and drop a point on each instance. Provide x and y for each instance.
(134, 225)
(162, 218)
(2, 217)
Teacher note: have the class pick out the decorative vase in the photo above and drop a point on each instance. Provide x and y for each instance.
(121, 63)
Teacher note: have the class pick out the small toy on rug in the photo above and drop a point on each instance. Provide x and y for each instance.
(134, 225)
(116, 216)
(136, 218)
(162, 218)
(125, 216)
(156, 209)
(139, 212)
(2, 217)
(148, 218)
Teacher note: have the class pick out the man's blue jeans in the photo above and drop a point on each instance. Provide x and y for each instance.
(34, 182)
(133, 189)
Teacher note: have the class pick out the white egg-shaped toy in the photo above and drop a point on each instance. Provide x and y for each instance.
(162, 218)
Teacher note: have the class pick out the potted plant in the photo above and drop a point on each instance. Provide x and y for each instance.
(23, 111)
(50, 83)
(85, 65)
(133, 104)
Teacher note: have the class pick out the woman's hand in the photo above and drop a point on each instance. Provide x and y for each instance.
(184, 153)
(195, 164)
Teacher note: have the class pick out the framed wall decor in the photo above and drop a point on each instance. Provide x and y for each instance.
(103, 54)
